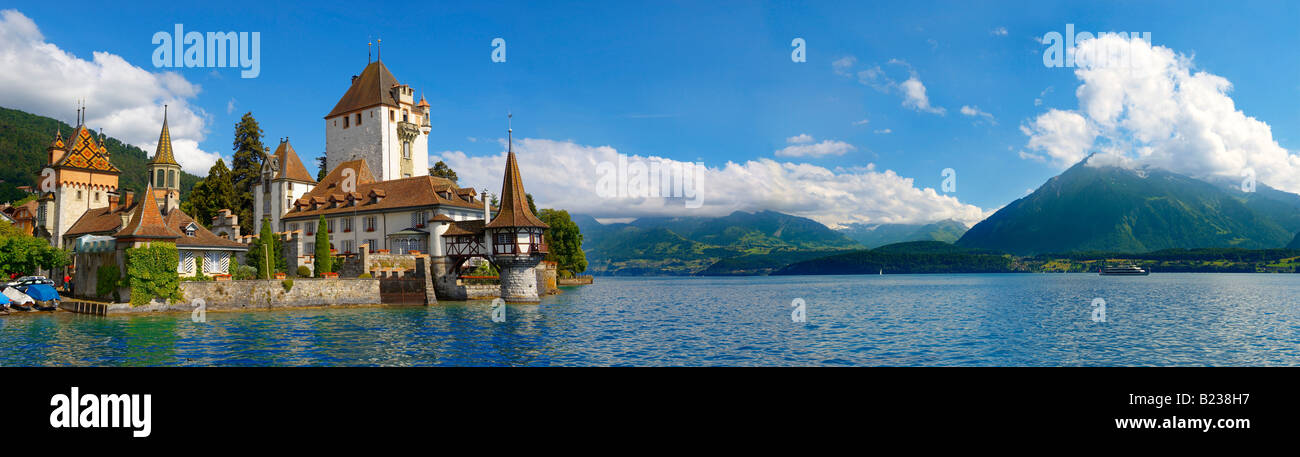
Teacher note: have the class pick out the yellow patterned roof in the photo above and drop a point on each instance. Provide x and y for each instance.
(164, 152)
(86, 154)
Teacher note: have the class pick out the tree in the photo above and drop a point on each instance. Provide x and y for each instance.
(24, 254)
(247, 165)
(214, 193)
(322, 172)
(441, 170)
(266, 247)
(564, 240)
(324, 263)
(531, 206)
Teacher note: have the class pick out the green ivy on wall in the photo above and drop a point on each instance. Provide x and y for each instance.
(151, 273)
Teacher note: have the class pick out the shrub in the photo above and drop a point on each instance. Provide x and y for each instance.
(287, 284)
(324, 263)
(151, 273)
(365, 276)
(244, 272)
(304, 272)
(106, 279)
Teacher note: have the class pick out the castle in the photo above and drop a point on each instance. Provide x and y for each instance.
(378, 194)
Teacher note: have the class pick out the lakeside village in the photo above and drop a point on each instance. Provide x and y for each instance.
(377, 228)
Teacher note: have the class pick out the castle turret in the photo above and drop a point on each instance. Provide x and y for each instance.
(517, 238)
(163, 171)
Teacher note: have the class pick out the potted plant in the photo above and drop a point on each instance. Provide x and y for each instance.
(331, 275)
(382, 251)
(280, 275)
(221, 277)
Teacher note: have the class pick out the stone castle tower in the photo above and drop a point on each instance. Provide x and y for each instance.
(284, 180)
(516, 236)
(379, 121)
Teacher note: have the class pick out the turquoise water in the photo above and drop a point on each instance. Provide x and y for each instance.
(1162, 319)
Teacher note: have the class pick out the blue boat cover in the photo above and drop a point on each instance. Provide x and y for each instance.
(42, 292)
(4, 300)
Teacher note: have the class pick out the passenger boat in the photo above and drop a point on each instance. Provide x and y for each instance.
(1124, 270)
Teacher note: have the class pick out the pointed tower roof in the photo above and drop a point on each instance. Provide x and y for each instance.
(290, 166)
(372, 88)
(58, 139)
(514, 201)
(164, 153)
(423, 103)
(147, 221)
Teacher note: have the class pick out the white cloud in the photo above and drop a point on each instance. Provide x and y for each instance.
(125, 100)
(862, 122)
(842, 65)
(800, 139)
(974, 111)
(230, 106)
(912, 89)
(1000, 31)
(1145, 105)
(805, 148)
(562, 174)
(884, 131)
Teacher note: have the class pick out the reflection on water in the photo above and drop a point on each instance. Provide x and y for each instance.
(1163, 319)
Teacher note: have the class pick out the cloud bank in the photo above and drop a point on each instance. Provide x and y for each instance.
(562, 174)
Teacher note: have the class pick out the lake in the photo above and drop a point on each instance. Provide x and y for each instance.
(890, 320)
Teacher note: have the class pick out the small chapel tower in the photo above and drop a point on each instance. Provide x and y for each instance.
(516, 236)
(163, 171)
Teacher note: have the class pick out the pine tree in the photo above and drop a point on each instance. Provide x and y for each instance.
(324, 263)
(247, 165)
(320, 174)
(564, 241)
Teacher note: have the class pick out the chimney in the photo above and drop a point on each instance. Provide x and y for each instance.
(113, 199)
(127, 199)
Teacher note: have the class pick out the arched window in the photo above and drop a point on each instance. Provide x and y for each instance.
(171, 178)
(159, 182)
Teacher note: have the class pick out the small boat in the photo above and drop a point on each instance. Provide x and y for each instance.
(1124, 270)
(13, 295)
(46, 298)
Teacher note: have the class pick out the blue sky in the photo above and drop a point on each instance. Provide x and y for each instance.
(695, 81)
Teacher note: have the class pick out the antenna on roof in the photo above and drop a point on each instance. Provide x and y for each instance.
(369, 44)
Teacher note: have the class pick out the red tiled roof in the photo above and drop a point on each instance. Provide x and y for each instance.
(85, 154)
(203, 237)
(413, 192)
(105, 221)
(470, 227)
(290, 166)
(147, 221)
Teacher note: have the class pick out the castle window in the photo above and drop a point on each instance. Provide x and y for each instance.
(160, 179)
(347, 224)
(392, 115)
(347, 246)
(78, 195)
(345, 121)
(406, 149)
(293, 226)
(189, 230)
(329, 225)
(358, 118)
(406, 117)
(171, 178)
(311, 247)
(96, 195)
(370, 223)
(288, 203)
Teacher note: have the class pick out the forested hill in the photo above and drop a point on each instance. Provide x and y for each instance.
(24, 138)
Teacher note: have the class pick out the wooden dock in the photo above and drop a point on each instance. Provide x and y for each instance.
(98, 309)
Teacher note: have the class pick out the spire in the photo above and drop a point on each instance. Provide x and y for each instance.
(369, 44)
(163, 155)
(147, 220)
(379, 49)
(514, 210)
(510, 133)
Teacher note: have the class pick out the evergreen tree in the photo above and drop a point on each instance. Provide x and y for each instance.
(324, 262)
(267, 245)
(564, 241)
(320, 161)
(213, 193)
(247, 165)
(441, 170)
(531, 206)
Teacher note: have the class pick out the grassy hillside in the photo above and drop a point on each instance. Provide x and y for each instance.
(24, 137)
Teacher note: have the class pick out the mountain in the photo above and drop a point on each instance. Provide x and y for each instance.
(693, 245)
(876, 235)
(1295, 242)
(24, 137)
(905, 258)
(1089, 208)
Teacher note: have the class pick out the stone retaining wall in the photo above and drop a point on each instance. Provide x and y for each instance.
(264, 294)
